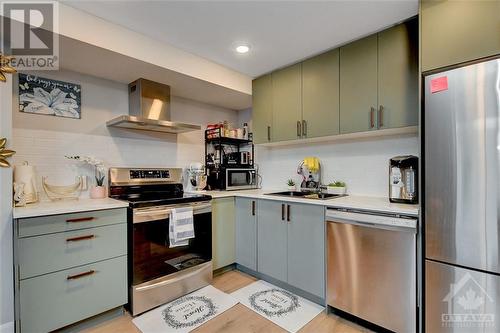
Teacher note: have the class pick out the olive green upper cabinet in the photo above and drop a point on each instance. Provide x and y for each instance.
(262, 113)
(320, 95)
(458, 31)
(358, 85)
(287, 103)
(398, 76)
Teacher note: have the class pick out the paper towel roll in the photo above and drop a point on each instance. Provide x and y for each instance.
(26, 174)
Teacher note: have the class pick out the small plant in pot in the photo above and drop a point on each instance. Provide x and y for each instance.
(336, 187)
(291, 184)
(98, 191)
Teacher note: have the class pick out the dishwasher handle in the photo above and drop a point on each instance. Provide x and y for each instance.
(372, 221)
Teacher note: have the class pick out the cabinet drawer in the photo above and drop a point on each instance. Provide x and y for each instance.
(55, 300)
(57, 223)
(48, 253)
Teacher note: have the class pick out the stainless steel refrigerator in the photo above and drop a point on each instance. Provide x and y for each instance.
(462, 199)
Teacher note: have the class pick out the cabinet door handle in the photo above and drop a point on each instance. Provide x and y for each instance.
(78, 276)
(288, 213)
(304, 128)
(81, 219)
(77, 239)
(299, 129)
(380, 116)
(253, 208)
(372, 117)
(268, 133)
(282, 212)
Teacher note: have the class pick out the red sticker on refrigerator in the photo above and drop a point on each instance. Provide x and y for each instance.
(439, 84)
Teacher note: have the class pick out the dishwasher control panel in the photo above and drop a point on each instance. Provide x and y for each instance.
(370, 219)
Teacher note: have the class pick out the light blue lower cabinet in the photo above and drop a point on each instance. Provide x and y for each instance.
(291, 244)
(306, 248)
(55, 300)
(272, 239)
(49, 253)
(43, 225)
(68, 268)
(246, 232)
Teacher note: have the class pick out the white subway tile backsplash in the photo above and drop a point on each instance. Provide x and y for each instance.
(363, 165)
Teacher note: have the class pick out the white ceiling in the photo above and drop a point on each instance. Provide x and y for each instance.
(279, 32)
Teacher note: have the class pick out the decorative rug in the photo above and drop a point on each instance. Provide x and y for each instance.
(186, 313)
(289, 311)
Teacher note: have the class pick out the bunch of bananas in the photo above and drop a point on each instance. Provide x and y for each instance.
(4, 153)
(5, 67)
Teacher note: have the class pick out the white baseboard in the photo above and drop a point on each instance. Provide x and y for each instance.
(7, 327)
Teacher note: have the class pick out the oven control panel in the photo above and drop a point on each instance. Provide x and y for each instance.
(149, 174)
(138, 176)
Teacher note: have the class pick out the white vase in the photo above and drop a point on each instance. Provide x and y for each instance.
(98, 192)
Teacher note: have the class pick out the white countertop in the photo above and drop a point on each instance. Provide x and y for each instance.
(66, 206)
(375, 204)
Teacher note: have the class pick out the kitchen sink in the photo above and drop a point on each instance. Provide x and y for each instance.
(307, 195)
(290, 193)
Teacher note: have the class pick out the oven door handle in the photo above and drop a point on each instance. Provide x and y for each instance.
(251, 178)
(152, 213)
(159, 214)
(169, 281)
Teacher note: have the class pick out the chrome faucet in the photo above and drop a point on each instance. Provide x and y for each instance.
(306, 183)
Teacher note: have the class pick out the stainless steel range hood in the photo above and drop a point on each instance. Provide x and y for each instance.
(149, 109)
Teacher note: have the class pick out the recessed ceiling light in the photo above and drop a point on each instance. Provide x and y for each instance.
(242, 48)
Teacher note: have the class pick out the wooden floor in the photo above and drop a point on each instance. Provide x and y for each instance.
(239, 318)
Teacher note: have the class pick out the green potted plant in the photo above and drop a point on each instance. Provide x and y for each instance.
(336, 187)
(291, 184)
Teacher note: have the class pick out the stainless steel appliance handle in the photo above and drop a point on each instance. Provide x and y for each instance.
(372, 221)
(152, 214)
(251, 177)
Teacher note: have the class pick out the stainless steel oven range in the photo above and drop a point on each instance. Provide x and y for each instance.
(159, 273)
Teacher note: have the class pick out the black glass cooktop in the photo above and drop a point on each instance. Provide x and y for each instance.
(155, 195)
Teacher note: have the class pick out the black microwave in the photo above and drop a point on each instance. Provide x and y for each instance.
(233, 179)
(241, 179)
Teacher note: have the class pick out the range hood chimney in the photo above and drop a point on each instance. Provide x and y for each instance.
(149, 109)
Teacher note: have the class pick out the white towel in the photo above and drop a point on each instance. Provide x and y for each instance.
(181, 227)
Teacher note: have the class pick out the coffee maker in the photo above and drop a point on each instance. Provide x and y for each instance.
(403, 179)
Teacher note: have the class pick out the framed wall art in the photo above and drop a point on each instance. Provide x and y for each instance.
(40, 95)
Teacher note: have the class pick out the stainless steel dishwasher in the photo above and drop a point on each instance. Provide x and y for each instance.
(372, 267)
